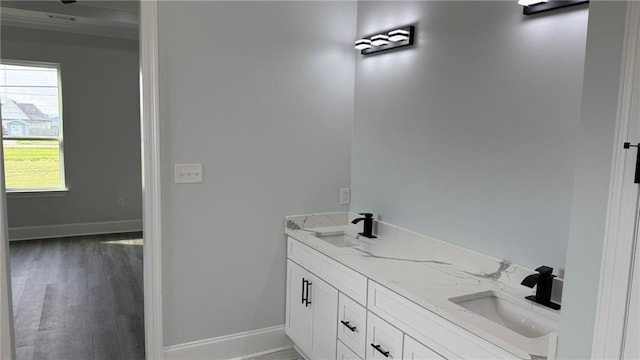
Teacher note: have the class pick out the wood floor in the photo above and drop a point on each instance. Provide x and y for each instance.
(78, 298)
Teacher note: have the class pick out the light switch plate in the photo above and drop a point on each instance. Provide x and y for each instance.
(345, 196)
(188, 173)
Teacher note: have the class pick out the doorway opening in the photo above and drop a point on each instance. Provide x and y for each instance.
(77, 276)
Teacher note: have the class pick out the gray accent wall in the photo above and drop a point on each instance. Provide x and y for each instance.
(101, 122)
(602, 72)
(471, 136)
(260, 93)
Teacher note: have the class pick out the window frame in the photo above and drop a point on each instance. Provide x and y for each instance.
(44, 190)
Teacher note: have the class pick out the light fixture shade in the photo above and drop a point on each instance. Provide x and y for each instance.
(398, 35)
(379, 40)
(530, 2)
(363, 44)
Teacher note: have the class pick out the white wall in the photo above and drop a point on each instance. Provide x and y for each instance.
(101, 122)
(261, 93)
(471, 136)
(593, 168)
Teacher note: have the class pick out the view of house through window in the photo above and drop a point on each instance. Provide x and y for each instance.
(31, 126)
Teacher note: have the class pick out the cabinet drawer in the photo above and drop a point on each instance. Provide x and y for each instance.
(439, 334)
(331, 271)
(352, 324)
(344, 353)
(384, 341)
(413, 350)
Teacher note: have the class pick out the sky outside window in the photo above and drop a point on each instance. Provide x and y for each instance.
(28, 84)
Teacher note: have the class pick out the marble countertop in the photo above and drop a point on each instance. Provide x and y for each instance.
(429, 272)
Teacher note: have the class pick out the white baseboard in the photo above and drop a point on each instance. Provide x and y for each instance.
(94, 228)
(236, 346)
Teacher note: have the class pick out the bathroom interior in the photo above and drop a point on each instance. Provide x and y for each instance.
(488, 143)
(474, 136)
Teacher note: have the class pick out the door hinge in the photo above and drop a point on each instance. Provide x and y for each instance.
(637, 176)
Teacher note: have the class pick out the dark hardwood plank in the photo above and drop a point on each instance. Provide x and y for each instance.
(79, 317)
(106, 346)
(27, 312)
(78, 297)
(51, 345)
(130, 343)
(54, 307)
(64, 343)
(25, 352)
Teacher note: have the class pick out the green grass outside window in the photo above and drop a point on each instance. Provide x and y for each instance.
(31, 164)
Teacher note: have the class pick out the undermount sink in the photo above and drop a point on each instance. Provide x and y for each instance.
(339, 239)
(521, 317)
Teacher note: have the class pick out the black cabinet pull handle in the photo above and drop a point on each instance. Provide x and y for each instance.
(377, 347)
(307, 302)
(304, 281)
(348, 325)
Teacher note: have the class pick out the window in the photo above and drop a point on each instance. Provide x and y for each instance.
(30, 97)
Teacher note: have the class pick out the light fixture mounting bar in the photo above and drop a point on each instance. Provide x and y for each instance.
(550, 5)
(390, 45)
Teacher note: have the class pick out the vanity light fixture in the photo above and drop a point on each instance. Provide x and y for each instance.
(363, 44)
(386, 40)
(536, 6)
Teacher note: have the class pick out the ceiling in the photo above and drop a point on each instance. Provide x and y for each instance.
(110, 18)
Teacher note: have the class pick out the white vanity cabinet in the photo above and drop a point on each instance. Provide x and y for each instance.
(334, 312)
(311, 320)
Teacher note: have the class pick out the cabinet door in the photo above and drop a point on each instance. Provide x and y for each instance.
(324, 302)
(299, 314)
(413, 350)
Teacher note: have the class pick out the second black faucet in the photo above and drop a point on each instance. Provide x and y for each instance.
(367, 227)
(543, 281)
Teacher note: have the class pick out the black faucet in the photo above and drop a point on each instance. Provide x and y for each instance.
(367, 227)
(544, 282)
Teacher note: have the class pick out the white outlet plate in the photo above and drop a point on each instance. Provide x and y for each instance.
(188, 173)
(345, 196)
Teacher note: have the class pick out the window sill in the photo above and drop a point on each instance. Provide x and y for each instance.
(36, 193)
